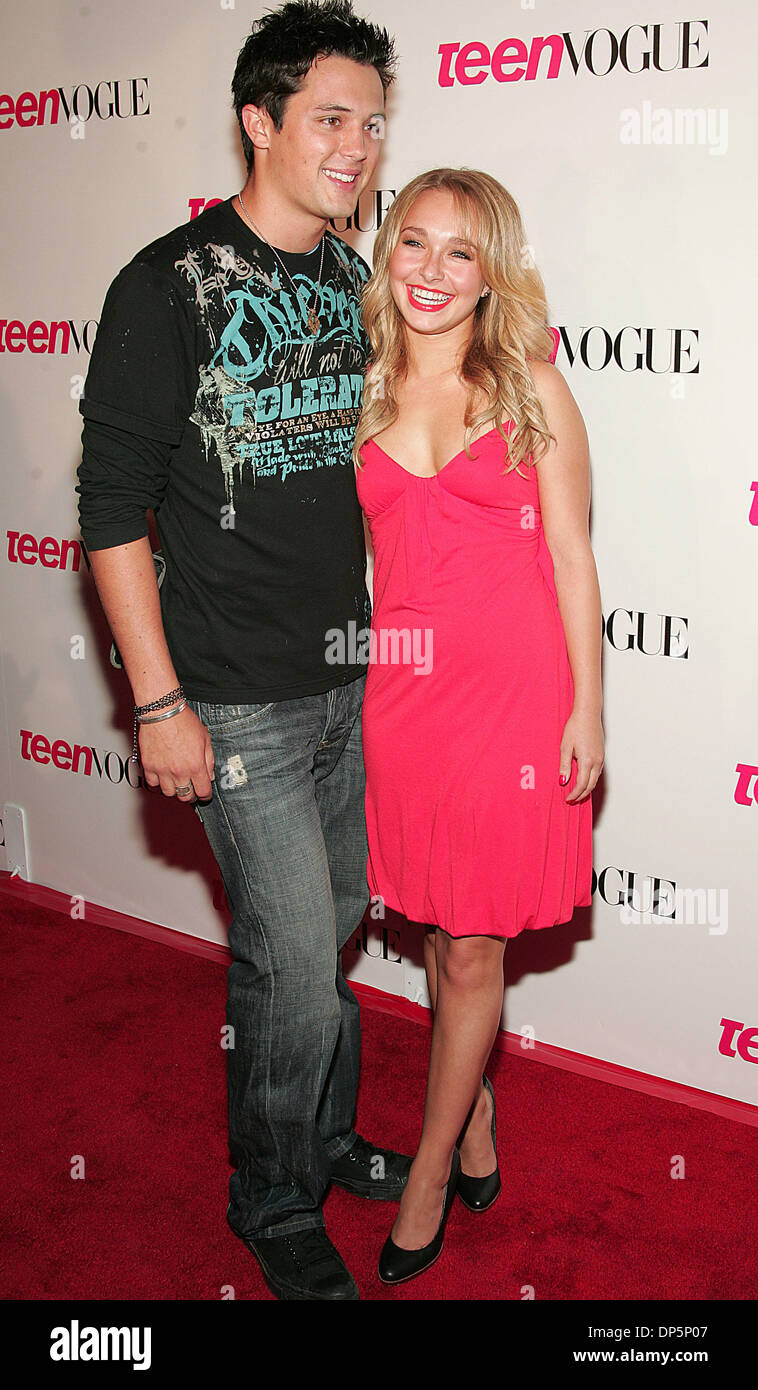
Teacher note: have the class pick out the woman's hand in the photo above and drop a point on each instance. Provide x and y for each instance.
(583, 739)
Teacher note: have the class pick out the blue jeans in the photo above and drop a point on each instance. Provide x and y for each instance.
(286, 824)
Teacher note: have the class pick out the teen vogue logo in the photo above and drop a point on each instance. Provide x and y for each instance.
(650, 900)
(106, 764)
(373, 204)
(58, 336)
(631, 349)
(25, 549)
(80, 102)
(736, 1040)
(598, 52)
(650, 634)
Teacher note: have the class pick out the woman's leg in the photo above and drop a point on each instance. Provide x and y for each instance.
(430, 963)
(478, 1158)
(468, 1005)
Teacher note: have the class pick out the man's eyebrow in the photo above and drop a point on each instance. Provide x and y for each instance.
(332, 106)
(463, 241)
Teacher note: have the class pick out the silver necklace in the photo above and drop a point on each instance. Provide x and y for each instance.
(313, 321)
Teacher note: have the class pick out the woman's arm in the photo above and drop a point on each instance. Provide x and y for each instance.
(563, 480)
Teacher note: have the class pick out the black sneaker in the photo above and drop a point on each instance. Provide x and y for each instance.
(370, 1171)
(302, 1265)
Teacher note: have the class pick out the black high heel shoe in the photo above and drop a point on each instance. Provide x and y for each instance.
(396, 1264)
(478, 1194)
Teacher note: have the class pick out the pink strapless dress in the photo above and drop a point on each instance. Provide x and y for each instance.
(468, 690)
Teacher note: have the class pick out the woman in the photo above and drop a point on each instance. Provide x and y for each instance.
(482, 725)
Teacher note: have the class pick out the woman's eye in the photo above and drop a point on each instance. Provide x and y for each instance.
(412, 241)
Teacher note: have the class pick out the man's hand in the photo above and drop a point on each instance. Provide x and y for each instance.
(177, 753)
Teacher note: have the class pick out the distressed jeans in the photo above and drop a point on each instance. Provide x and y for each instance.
(286, 824)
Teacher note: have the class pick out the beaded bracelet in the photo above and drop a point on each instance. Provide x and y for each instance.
(169, 699)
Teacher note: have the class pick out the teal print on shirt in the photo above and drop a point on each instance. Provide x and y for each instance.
(303, 414)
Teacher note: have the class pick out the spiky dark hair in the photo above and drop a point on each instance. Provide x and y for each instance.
(276, 56)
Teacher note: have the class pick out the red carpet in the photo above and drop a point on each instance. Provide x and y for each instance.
(111, 1052)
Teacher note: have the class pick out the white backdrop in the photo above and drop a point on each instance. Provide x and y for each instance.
(642, 221)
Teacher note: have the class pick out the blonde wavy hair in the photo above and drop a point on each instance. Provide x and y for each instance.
(510, 324)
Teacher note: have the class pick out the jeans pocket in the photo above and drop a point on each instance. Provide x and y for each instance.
(231, 719)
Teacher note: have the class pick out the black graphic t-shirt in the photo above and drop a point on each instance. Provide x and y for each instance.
(209, 400)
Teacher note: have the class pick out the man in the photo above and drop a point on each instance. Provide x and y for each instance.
(223, 391)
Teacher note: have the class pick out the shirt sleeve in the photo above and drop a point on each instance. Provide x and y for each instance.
(138, 395)
(143, 370)
(121, 474)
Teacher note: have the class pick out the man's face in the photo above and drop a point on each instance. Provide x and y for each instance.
(329, 144)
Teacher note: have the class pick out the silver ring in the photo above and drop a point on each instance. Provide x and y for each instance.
(182, 791)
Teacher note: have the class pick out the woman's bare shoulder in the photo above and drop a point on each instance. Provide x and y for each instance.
(549, 381)
(556, 398)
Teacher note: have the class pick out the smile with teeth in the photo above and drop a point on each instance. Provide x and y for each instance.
(428, 300)
(340, 176)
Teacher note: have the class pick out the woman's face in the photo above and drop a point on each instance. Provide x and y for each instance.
(435, 277)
